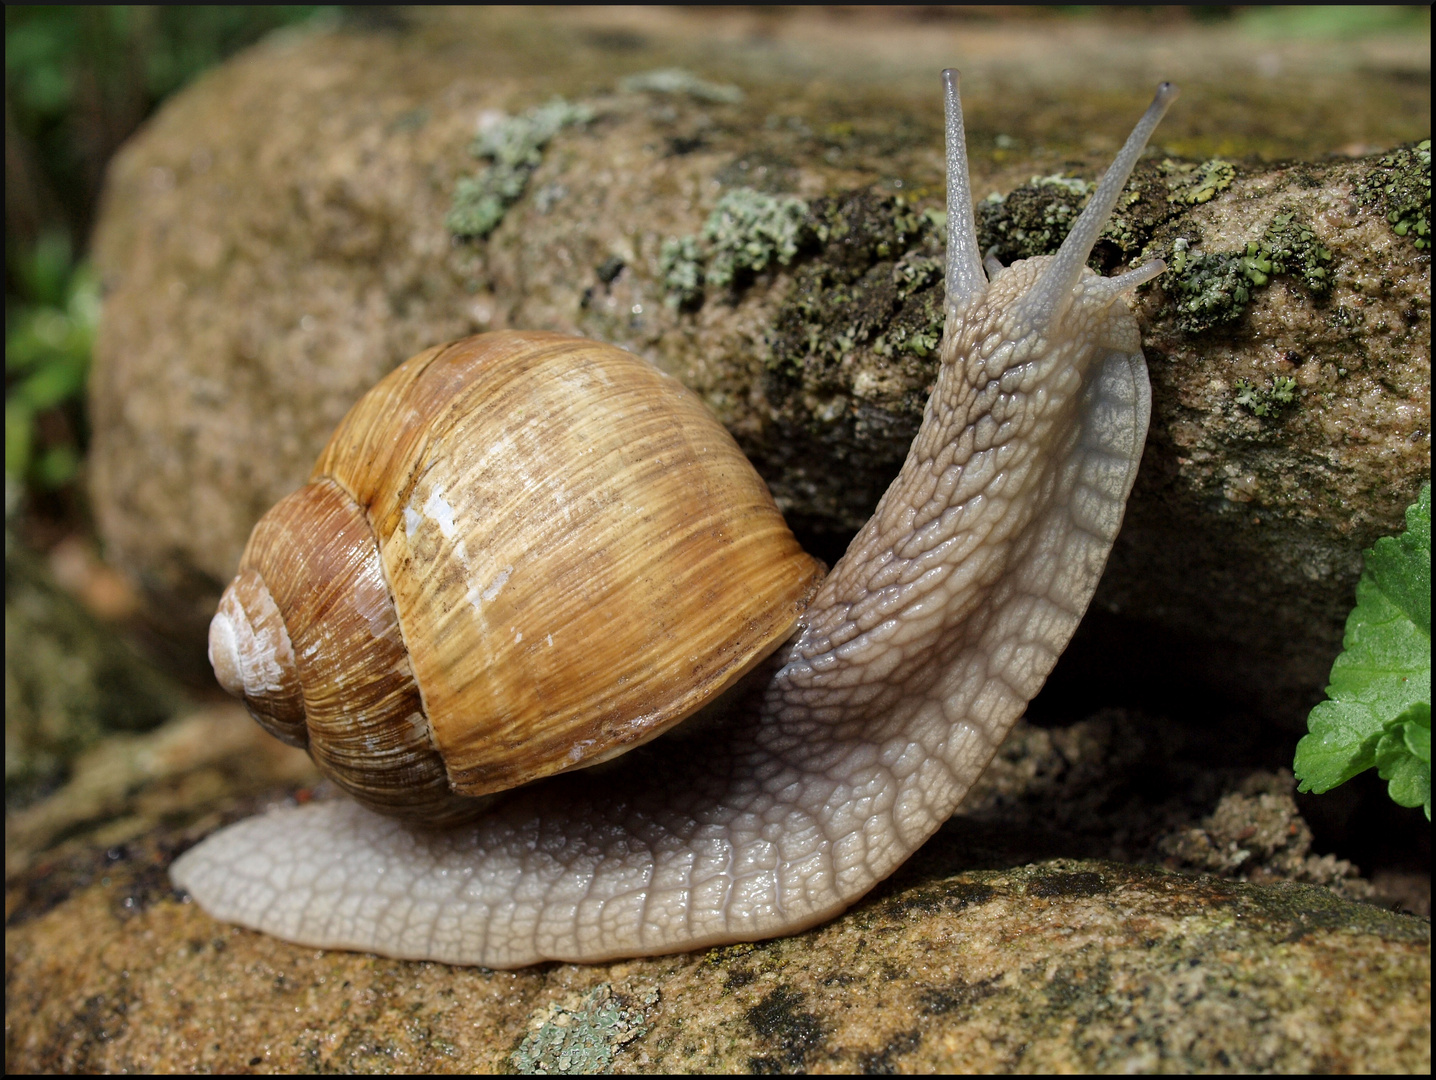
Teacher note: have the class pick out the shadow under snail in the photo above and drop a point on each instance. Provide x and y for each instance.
(522, 554)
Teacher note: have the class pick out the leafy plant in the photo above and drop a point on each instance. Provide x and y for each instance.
(78, 81)
(80, 78)
(1378, 712)
(47, 356)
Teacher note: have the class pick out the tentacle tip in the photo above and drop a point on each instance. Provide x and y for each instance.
(951, 77)
(1167, 93)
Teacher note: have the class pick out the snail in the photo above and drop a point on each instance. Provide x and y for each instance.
(843, 717)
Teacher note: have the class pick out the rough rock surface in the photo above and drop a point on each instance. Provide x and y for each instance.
(1053, 967)
(275, 240)
(1011, 942)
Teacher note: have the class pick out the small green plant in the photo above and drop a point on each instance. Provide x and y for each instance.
(47, 357)
(1378, 712)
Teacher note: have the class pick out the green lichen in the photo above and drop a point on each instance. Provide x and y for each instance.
(746, 232)
(680, 262)
(1215, 288)
(1264, 401)
(514, 147)
(1180, 247)
(582, 1037)
(678, 81)
(1289, 246)
(1400, 185)
(1190, 185)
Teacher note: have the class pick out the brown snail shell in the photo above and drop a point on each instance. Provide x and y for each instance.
(519, 554)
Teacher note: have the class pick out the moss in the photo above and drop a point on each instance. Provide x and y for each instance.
(1400, 185)
(678, 81)
(872, 286)
(1262, 401)
(1032, 219)
(514, 146)
(1035, 218)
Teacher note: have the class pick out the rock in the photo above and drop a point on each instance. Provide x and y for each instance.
(983, 952)
(70, 681)
(275, 240)
(125, 785)
(1060, 966)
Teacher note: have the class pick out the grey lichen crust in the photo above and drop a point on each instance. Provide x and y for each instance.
(746, 231)
(916, 656)
(581, 1035)
(514, 148)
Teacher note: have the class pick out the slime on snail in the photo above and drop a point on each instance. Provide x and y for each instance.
(455, 621)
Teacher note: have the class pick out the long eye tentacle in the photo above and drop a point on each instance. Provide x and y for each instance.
(1050, 297)
(966, 280)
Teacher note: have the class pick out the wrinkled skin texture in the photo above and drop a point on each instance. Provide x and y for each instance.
(918, 653)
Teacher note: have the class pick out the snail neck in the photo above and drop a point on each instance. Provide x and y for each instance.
(953, 602)
(930, 594)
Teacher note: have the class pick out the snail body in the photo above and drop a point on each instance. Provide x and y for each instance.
(892, 684)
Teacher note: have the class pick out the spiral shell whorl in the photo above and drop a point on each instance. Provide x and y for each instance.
(579, 554)
(307, 634)
(253, 658)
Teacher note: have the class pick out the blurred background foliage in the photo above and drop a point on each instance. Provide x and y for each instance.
(78, 82)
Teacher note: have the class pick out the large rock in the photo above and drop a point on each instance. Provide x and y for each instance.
(1011, 941)
(275, 240)
(1063, 966)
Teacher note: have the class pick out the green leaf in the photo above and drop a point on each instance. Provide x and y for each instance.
(1378, 712)
(1403, 758)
